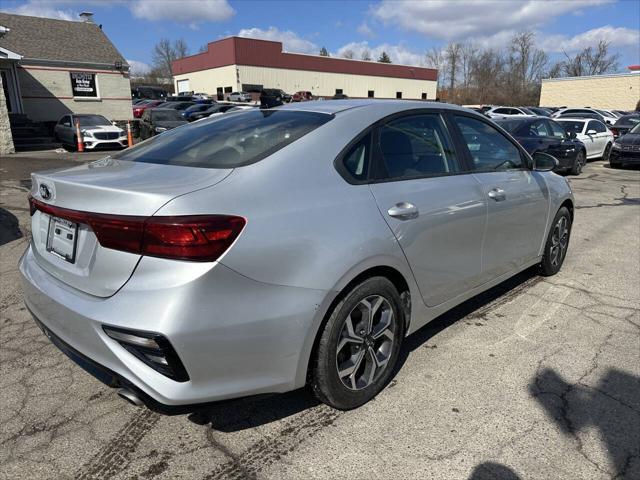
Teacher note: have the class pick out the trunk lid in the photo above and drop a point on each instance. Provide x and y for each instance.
(70, 251)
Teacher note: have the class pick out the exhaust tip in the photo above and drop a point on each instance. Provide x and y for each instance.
(130, 397)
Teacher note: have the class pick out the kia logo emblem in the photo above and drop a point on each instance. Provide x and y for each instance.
(45, 193)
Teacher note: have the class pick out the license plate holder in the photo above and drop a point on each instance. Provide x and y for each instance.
(62, 238)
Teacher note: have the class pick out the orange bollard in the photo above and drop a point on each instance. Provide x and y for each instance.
(79, 137)
(129, 134)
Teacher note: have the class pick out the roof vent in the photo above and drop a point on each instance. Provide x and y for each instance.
(87, 17)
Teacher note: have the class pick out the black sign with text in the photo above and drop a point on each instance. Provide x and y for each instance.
(83, 84)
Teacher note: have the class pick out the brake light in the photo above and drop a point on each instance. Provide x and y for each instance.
(198, 238)
(614, 131)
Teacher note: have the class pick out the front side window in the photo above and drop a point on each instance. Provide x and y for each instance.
(490, 150)
(574, 126)
(228, 141)
(597, 126)
(416, 146)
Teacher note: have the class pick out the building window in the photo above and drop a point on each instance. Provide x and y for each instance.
(228, 89)
(338, 91)
(398, 94)
(370, 94)
(424, 96)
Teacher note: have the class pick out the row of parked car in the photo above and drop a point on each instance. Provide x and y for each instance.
(572, 135)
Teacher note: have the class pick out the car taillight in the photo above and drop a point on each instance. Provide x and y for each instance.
(198, 238)
(614, 131)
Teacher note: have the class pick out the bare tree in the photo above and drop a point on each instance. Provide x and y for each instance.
(366, 55)
(527, 64)
(347, 54)
(203, 48)
(591, 61)
(452, 56)
(434, 58)
(164, 53)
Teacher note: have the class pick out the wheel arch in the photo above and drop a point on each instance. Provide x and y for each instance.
(393, 274)
(568, 203)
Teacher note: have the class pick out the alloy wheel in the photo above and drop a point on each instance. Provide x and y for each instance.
(559, 241)
(365, 343)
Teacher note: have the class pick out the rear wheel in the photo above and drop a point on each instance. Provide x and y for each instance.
(615, 164)
(555, 249)
(606, 153)
(578, 164)
(359, 345)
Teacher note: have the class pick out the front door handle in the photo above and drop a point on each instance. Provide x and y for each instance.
(403, 211)
(497, 194)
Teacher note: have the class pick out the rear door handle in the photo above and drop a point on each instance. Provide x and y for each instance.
(403, 211)
(497, 194)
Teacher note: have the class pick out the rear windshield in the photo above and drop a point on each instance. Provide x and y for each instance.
(572, 126)
(227, 141)
(165, 115)
(510, 125)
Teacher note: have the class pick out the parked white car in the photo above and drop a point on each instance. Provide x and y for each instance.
(239, 97)
(500, 112)
(595, 135)
(608, 117)
(96, 130)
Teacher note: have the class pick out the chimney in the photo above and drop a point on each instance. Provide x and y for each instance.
(87, 17)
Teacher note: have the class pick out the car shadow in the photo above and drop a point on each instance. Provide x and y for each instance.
(9, 227)
(612, 407)
(241, 414)
(493, 471)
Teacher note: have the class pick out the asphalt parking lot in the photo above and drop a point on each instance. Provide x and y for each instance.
(536, 379)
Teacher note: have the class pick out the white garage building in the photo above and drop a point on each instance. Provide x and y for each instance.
(244, 64)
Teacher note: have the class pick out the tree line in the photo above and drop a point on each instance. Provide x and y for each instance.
(467, 74)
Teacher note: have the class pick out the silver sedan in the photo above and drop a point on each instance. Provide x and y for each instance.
(267, 250)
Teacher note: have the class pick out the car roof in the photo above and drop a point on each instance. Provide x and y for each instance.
(575, 119)
(337, 106)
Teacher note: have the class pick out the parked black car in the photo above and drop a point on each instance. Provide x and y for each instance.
(543, 112)
(158, 120)
(626, 149)
(178, 106)
(624, 124)
(541, 134)
(150, 92)
(216, 108)
(271, 97)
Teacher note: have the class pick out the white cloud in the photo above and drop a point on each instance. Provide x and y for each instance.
(365, 30)
(138, 69)
(463, 19)
(191, 12)
(398, 53)
(618, 37)
(291, 41)
(45, 10)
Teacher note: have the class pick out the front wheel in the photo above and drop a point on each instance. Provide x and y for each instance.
(578, 164)
(555, 249)
(359, 345)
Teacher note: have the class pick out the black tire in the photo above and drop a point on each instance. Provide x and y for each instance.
(551, 262)
(615, 164)
(578, 164)
(606, 153)
(325, 382)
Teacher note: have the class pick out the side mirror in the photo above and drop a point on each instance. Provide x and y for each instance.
(591, 132)
(543, 162)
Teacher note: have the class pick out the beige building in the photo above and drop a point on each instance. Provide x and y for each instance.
(50, 68)
(612, 92)
(243, 64)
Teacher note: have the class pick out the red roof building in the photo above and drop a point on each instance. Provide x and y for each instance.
(244, 64)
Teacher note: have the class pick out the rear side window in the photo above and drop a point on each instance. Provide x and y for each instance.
(416, 146)
(538, 129)
(597, 126)
(356, 160)
(556, 130)
(228, 141)
(490, 150)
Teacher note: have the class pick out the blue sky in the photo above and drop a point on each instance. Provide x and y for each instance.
(405, 29)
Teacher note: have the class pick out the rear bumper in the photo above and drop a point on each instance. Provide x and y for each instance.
(236, 337)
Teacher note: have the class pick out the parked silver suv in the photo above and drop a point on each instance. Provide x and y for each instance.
(265, 250)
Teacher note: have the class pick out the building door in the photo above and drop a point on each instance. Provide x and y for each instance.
(183, 86)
